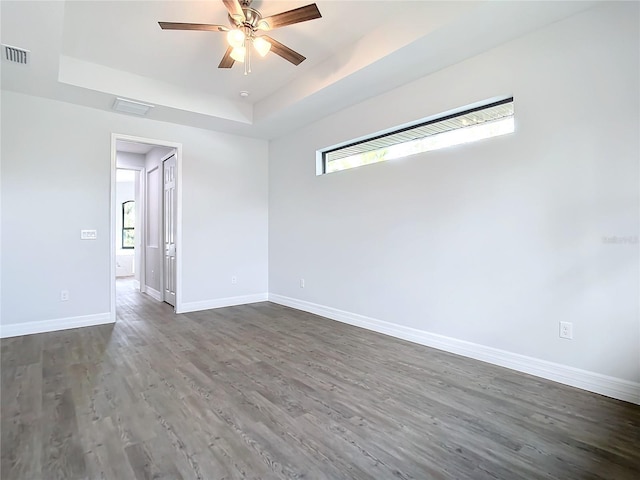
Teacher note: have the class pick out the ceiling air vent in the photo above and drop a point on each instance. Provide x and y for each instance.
(15, 54)
(132, 107)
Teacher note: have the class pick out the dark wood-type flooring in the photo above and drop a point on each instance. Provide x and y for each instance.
(264, 391)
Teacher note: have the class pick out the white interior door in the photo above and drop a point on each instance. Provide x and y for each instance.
(169, 209)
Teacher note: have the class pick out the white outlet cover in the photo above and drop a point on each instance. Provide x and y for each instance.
(566, 330)
(88, 234)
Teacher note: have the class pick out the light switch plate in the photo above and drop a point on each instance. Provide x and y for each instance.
(88, 234)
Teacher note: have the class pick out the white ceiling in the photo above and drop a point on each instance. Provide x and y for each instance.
(89, 52)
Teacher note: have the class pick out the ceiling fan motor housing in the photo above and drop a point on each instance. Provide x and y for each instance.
(251, 20)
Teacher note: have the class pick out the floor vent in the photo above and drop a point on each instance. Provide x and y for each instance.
(15, 54)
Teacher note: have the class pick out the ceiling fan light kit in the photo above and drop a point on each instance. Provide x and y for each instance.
(238, 53)
(236, 38)
(246, 23)
(261, 45)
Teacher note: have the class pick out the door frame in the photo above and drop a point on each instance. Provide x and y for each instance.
(112, 234)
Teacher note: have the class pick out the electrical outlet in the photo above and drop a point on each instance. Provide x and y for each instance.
(234, 279)
(566, 330)
(64, 295)
(302, 283)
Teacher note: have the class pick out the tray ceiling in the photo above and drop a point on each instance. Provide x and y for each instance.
(89, 53)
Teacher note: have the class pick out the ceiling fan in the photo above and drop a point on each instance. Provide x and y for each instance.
(246, 23)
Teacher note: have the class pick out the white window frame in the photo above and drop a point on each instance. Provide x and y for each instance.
(440, 131)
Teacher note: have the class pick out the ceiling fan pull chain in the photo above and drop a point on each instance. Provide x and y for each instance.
(246, 63)
(247, 60)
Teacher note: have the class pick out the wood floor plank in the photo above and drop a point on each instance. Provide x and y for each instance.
(21, 412)
(262, 391)
(62, 455)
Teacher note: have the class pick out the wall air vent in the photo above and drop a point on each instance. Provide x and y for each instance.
(15, 54)
(131, 107)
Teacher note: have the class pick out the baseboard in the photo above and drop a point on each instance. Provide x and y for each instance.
(136, 284)
(223, 302)
(575, 377)
(153, 293)
(42, 326)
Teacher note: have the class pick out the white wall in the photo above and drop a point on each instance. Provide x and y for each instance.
(130, 160)
(140, 211)
(491, 243)
(56, 178)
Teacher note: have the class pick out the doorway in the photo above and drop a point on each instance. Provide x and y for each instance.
(128, 226)
(155, 266)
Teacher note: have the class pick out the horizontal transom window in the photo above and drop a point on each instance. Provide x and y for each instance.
(468, 126)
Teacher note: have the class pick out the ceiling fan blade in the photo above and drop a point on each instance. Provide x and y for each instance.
(193, 26)
(227, 61)
(284, 51)
(235, 10)
(297, 15)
